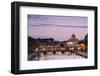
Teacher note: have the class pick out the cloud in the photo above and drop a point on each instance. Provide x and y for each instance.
(46, 20)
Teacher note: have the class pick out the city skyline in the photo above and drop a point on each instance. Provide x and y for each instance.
(58, 27)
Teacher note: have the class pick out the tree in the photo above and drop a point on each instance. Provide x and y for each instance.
(32, 42)
(86, 39)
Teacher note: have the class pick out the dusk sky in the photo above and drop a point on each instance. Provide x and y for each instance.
(58, 27)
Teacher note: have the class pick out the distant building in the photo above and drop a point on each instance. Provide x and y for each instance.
(72, 42)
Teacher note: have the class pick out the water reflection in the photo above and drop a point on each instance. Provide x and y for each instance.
(57, 56)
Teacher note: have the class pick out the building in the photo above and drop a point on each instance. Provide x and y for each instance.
(72, 42)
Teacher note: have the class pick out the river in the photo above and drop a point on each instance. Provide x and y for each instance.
(58, 56)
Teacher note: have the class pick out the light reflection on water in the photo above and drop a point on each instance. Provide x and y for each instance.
(58, 56)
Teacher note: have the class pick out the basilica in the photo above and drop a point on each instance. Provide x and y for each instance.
(72, 42)
(75, 44)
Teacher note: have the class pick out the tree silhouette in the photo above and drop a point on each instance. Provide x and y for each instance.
(86, 39)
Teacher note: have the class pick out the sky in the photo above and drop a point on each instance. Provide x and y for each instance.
(58, 27)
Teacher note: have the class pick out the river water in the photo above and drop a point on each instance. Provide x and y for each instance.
(58, 56)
